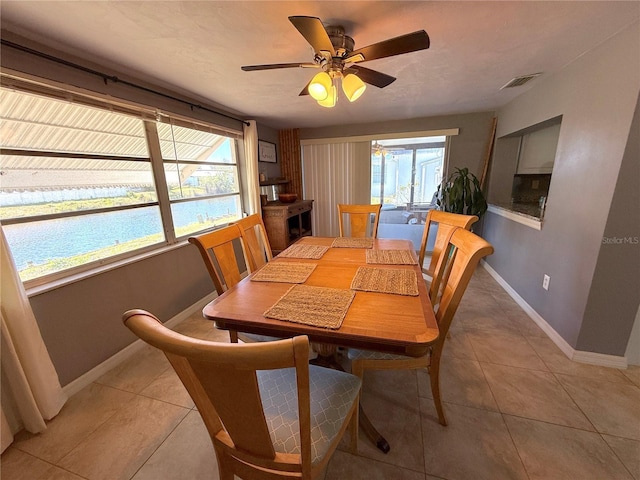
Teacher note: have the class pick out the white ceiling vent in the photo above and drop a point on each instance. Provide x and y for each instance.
(519, 81)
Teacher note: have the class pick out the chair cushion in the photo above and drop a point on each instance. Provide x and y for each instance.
(332, 394)
(355, 354)
(254, 337)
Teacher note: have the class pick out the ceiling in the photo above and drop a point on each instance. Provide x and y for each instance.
(198, 47)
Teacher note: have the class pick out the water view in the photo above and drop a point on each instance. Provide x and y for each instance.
(39, 243)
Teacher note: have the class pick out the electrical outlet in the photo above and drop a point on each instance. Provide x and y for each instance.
(545, 282)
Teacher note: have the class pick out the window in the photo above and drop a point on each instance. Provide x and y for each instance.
(78, 183)
(406, 172)
(201, 172)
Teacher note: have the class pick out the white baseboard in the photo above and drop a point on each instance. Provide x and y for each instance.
(115, 360)
(571, 353)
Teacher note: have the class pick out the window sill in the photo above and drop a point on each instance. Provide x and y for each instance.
(77, 277)
(518, 217)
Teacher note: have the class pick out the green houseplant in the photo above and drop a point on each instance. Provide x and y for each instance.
(461, 193)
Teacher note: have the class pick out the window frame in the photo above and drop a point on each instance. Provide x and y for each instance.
(157, 165)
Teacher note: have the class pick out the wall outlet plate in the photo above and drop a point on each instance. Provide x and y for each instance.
(545, 282)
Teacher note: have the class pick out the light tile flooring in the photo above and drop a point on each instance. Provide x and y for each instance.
(517, 409)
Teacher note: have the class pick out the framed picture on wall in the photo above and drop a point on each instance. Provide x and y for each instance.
(267, 152)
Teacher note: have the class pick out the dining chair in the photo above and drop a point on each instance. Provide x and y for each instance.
(457, 263)
(360, 218)
(218, 250)
(446, 222)
(256, 240)
(269, 414)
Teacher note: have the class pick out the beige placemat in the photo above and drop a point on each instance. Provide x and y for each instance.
(391, 257)
(348, 242)
(304, 251)
(400, 281)
(285, 272)
(316, 306)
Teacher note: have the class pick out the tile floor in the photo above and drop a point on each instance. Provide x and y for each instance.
(517, 409)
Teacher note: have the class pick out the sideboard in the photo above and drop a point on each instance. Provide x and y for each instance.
(286, 222)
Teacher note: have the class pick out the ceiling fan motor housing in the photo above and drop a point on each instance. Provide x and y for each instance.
(342, 44)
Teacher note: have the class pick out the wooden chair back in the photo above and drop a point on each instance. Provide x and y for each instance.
(218, 252)
(222, 381)
(360, 218)
(447, 223)
(463, 252)
(255, 240)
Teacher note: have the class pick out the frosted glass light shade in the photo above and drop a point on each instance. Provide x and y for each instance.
(353, 87)
(331, 99)
(320, 86)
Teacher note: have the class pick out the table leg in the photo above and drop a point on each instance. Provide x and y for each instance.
(326, 358)
(372, 433)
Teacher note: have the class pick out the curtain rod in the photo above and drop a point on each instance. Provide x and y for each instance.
(105, 77)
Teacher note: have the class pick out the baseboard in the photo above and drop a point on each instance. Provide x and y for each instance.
(591, 358)
(115, 360)
(601, 359)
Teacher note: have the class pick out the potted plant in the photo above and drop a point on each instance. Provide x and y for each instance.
(461, 193)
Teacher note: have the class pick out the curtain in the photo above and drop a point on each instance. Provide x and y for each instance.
(335, 173)
(251, 159)
(31, 391)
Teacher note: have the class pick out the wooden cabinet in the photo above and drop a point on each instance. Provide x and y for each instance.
(286, 222)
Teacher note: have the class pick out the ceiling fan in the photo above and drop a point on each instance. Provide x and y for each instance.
(335, 55)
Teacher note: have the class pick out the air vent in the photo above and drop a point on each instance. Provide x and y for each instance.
(519, 81)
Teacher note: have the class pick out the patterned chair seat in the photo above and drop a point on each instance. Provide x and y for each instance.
(332, 393)
(355, 354)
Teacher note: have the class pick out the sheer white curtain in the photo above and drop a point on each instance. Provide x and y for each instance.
(31, 391)
(335, 173)
(251, 158)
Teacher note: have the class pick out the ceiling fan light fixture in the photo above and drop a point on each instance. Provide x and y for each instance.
(331, 99)
(320, 86)
(353, 87)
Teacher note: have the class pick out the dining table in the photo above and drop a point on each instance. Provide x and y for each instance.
(340, 292)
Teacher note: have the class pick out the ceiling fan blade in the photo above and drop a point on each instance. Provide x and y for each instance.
(313, 31)
(408, 43)
(377, 79)
(249, 68)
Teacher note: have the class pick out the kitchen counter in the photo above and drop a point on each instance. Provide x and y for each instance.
(529, 214)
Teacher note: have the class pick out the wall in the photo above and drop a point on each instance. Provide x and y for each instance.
(615, 291)
(467, 149)
(81, 323)
(268, 134)
(597, 96)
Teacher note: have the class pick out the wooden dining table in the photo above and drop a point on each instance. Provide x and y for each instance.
(385, 322)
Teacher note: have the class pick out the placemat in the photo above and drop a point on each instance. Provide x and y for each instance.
(304, 251)
(400, 281)
(348, 242)
(316, 306)
(285, 272)
(391, 257)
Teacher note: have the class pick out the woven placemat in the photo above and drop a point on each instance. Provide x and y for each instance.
(316, 306)
(391, 257)
(348, 242)
(400, 281)
(304, 251)
(284, 272)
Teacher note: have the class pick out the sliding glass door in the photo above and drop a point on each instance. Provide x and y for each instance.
(405, 174)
